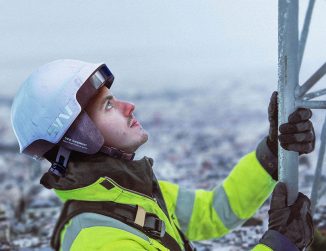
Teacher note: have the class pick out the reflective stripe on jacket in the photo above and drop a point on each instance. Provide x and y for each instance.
(200, 214)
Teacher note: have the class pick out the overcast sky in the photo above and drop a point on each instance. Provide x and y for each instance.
(150, 40)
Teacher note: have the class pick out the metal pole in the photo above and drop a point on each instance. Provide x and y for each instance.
(305, 30)
(303, 89)
(287, 82)
(311, 104)
(315, 94)
(318, 172)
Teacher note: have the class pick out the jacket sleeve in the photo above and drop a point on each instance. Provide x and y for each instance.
(275, 241)
(203, 215)
(262, 247)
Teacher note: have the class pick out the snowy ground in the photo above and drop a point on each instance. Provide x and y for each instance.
(196, 137)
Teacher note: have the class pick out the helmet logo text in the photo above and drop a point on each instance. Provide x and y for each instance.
(57, 125)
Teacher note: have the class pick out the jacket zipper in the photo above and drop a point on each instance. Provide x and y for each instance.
(165, 211)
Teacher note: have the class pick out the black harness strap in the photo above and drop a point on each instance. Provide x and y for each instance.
(187, 244)
(153, 226)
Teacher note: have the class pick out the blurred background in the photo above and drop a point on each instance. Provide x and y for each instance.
(200, 73)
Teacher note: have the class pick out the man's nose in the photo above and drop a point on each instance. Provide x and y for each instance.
(127, 108)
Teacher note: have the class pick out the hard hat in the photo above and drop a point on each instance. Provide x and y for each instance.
(48, 108)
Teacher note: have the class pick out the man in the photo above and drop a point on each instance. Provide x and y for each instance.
(65, 112)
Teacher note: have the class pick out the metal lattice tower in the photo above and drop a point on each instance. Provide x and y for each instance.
(292, 95)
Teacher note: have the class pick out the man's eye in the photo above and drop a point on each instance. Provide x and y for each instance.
(108, 106)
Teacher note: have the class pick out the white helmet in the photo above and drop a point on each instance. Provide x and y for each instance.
(48, 111)
(48, 108)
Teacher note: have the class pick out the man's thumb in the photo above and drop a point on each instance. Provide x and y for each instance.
(279, 197)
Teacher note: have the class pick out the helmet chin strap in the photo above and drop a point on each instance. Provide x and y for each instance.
(116, 153)
(57, 169)
(60, 165)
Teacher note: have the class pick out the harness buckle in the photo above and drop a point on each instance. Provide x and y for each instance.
(140, 216)
(158, 231)
(153, 225)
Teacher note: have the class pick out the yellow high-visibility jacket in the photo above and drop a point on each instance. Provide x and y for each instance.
(200, 214)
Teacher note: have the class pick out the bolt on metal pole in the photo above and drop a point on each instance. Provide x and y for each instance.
(288, 75)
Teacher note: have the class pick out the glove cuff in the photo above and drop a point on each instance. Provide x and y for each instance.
(277, 241)
(267, 159)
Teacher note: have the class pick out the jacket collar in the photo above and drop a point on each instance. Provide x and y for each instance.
(136, 175)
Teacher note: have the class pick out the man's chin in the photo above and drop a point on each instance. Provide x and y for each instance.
(144, 138)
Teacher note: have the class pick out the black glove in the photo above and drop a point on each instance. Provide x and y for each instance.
(297, 135)
(293, 222)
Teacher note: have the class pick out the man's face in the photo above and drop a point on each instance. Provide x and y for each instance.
(116, 122)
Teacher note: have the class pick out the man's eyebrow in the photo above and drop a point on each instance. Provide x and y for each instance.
(107, 98)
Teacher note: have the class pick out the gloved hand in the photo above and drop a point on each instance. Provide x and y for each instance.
(297, 135)
(288, 225)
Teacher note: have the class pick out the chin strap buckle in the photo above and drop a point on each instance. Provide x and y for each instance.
(59, 167)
